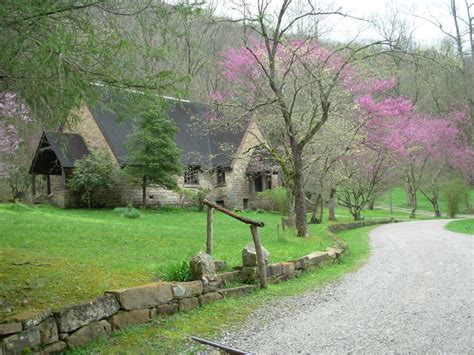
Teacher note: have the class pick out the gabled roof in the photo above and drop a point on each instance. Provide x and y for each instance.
(197, 146)
(56, 150)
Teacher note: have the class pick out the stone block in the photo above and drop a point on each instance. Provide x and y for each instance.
(54, 348)
(249, 255)
(10, 328)
(274, 270)
(187, 289)
(288, 268)
(187, 304)
(317, 258)
(146, 296)
(48, 331)
(73, 317)
(237, 291)
(152, 313)
(87, 333)
(301, 263)
(220, 265)
(334, 253)
(202, 264)
(27, 339)
(122, 320)
(30, 319)
(226, 277)
(248, 274)
(210, 283)
(209, 297)
(167, 309)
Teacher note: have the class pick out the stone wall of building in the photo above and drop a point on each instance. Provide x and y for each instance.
(90, 131)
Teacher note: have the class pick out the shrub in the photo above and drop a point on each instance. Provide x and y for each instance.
(278, 198)
(17, 207)
(128, 212)
(259, 211)
(178, 271)
(455, 193)
(92, 173)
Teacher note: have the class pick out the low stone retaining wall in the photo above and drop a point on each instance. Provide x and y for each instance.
(352, 225)
(46, 332)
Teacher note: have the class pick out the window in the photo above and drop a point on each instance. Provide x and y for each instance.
(268, 179)
(220, 176)
(262, 181)
(191, 175)
(258, 181)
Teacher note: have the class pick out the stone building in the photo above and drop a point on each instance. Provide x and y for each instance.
(224, 162)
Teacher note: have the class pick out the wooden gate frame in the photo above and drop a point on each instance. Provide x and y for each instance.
(253, 229)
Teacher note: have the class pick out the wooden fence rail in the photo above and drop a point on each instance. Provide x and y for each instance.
(253, 229)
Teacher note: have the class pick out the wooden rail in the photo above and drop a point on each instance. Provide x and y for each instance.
(262, 272)
(234, 215)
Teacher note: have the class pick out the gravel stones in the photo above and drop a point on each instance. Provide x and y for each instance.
(414, 295)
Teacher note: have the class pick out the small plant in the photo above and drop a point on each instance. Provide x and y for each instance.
(455, 193)
(128, 212)
(93, 172)
(278, 198)
(178, 271)
(259, 211)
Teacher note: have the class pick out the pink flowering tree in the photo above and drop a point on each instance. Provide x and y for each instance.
(427, 149)
(292, 87)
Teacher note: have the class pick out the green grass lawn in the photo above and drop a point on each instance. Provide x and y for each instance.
(168, 335)
(399, 200)
(461, 226)
(50, 257)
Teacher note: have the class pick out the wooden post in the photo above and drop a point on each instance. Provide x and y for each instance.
(262, 272)
(48, 185)
(209, 230)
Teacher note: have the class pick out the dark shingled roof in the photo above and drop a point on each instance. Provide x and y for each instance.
(197, 146)
(64, 148)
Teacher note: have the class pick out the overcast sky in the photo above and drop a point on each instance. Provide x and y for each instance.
(342, 29)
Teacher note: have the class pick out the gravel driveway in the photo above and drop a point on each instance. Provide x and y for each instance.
(415, 294)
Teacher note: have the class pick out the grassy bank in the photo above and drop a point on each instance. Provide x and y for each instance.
(51, 257)
(465, 226)
(399, 199)
(169, 335)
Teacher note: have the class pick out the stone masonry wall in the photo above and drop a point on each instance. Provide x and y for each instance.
(90, 131)
(48, 332)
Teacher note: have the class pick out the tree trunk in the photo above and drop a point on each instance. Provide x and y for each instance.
(413, 207)
(321, 209)
(300, 201)
(144, 192)
(356, 215)
(332, 205)
(371, 204)
(409, 194)
(314, 216)
(435, 204)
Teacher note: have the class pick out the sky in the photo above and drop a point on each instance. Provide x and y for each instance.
(424, 33)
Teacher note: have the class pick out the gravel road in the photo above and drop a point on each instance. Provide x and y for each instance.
(415, 294)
